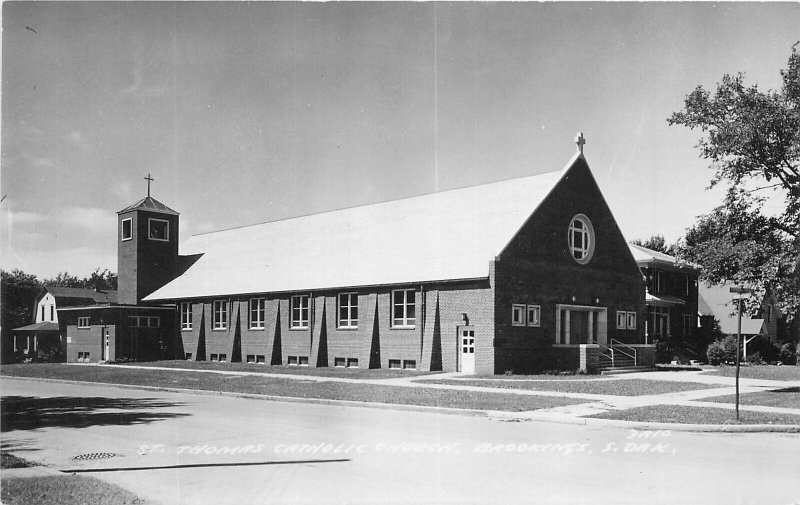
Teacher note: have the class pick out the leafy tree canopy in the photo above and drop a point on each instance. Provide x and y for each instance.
(749, 135)
(752, 135)
(656, 243)
(100, 279)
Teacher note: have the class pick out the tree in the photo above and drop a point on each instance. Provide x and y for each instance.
(656, 243)
(18, 292)
(749, 135)
(99, 279)
(752, 135)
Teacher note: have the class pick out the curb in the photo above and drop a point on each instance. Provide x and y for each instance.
(492, 414)
(29, 472)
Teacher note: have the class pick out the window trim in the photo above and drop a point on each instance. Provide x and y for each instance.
(130, 229)
(350, 323)
(186, 316)
(622, 320)
(222, 323)
(405, 322)
(144, 321)
(628, 324)
(150, 220)
(518, 321)
(300, 323)
(531, 321)
(260, 311)
(87, 325)
(587, 231)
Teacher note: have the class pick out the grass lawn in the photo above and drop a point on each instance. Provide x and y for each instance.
(787, 398)
(770, 372)
(696, 415)
(618, 387)
(348, 373)
(289, 387)
(65, 490)
(537, 377)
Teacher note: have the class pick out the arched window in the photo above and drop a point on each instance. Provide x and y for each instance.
(581, 239)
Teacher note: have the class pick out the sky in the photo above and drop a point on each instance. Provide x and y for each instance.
(247, 112)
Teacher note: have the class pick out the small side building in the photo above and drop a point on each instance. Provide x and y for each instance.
(131, 330)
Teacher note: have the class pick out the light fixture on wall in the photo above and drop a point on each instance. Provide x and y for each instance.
(597, 301)
(465, 319)
(573, 298)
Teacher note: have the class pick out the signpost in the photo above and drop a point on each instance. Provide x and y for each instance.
(740, 291)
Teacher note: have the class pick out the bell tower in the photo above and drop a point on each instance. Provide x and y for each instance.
(147, 251)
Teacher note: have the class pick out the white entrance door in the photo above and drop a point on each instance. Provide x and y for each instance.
(106, 349)
(467, 350)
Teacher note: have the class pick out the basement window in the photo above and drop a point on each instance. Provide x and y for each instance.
(339, 362)
(394, 363)
(409, 364)
(303, 360)
(352, 362)
(260, 359)
(292, 360)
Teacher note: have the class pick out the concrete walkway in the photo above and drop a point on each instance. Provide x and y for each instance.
(596, 403)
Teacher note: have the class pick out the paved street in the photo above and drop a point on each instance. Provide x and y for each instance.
(186, 448)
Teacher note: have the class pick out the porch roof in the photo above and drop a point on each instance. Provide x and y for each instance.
(663, 300)
(43, 326)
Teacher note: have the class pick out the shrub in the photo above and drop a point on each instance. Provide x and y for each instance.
(787, 354)
(722, 351)
(756, 359)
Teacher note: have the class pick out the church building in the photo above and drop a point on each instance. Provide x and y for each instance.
(521, 275)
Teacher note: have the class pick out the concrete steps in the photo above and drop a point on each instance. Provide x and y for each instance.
(626, 369)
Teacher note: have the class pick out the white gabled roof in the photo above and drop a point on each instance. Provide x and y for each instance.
(450, 235)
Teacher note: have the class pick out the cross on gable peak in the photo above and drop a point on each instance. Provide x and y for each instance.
(580, 140)
(149, 179)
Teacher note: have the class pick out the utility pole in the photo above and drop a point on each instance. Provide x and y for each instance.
(740, 291)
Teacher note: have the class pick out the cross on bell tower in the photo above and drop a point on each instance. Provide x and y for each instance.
(149, 180)
(580, 140)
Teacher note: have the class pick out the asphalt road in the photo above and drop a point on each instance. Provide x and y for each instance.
(208, 449)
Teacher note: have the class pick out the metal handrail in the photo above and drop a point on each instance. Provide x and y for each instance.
(609, 356)
(621, 344)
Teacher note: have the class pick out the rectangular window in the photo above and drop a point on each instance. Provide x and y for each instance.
(622, 319)
(257, 311)
(687, 325)
(660, 282)
(127, 229)
(143, 321)
(394, 363)
(517, 315)
(403, 308)
(158, 229)
(299, 312)
(339, 362)
(352, 362)
(292, 360)
(303, 360)
(260, 359)
(348, 310)
(220, 311)
(409, 364)
(630, 320)
(52, 313)
(42, 312)
(83, 322)
(686, 285)
(534, 315)
(186, 315)
(214, 357)
(188, 356)
(223, 357)
(251, 358)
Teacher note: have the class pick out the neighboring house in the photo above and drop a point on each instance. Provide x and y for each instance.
(717, 302)
(524, 274)
(43, 340)
(671, 299)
